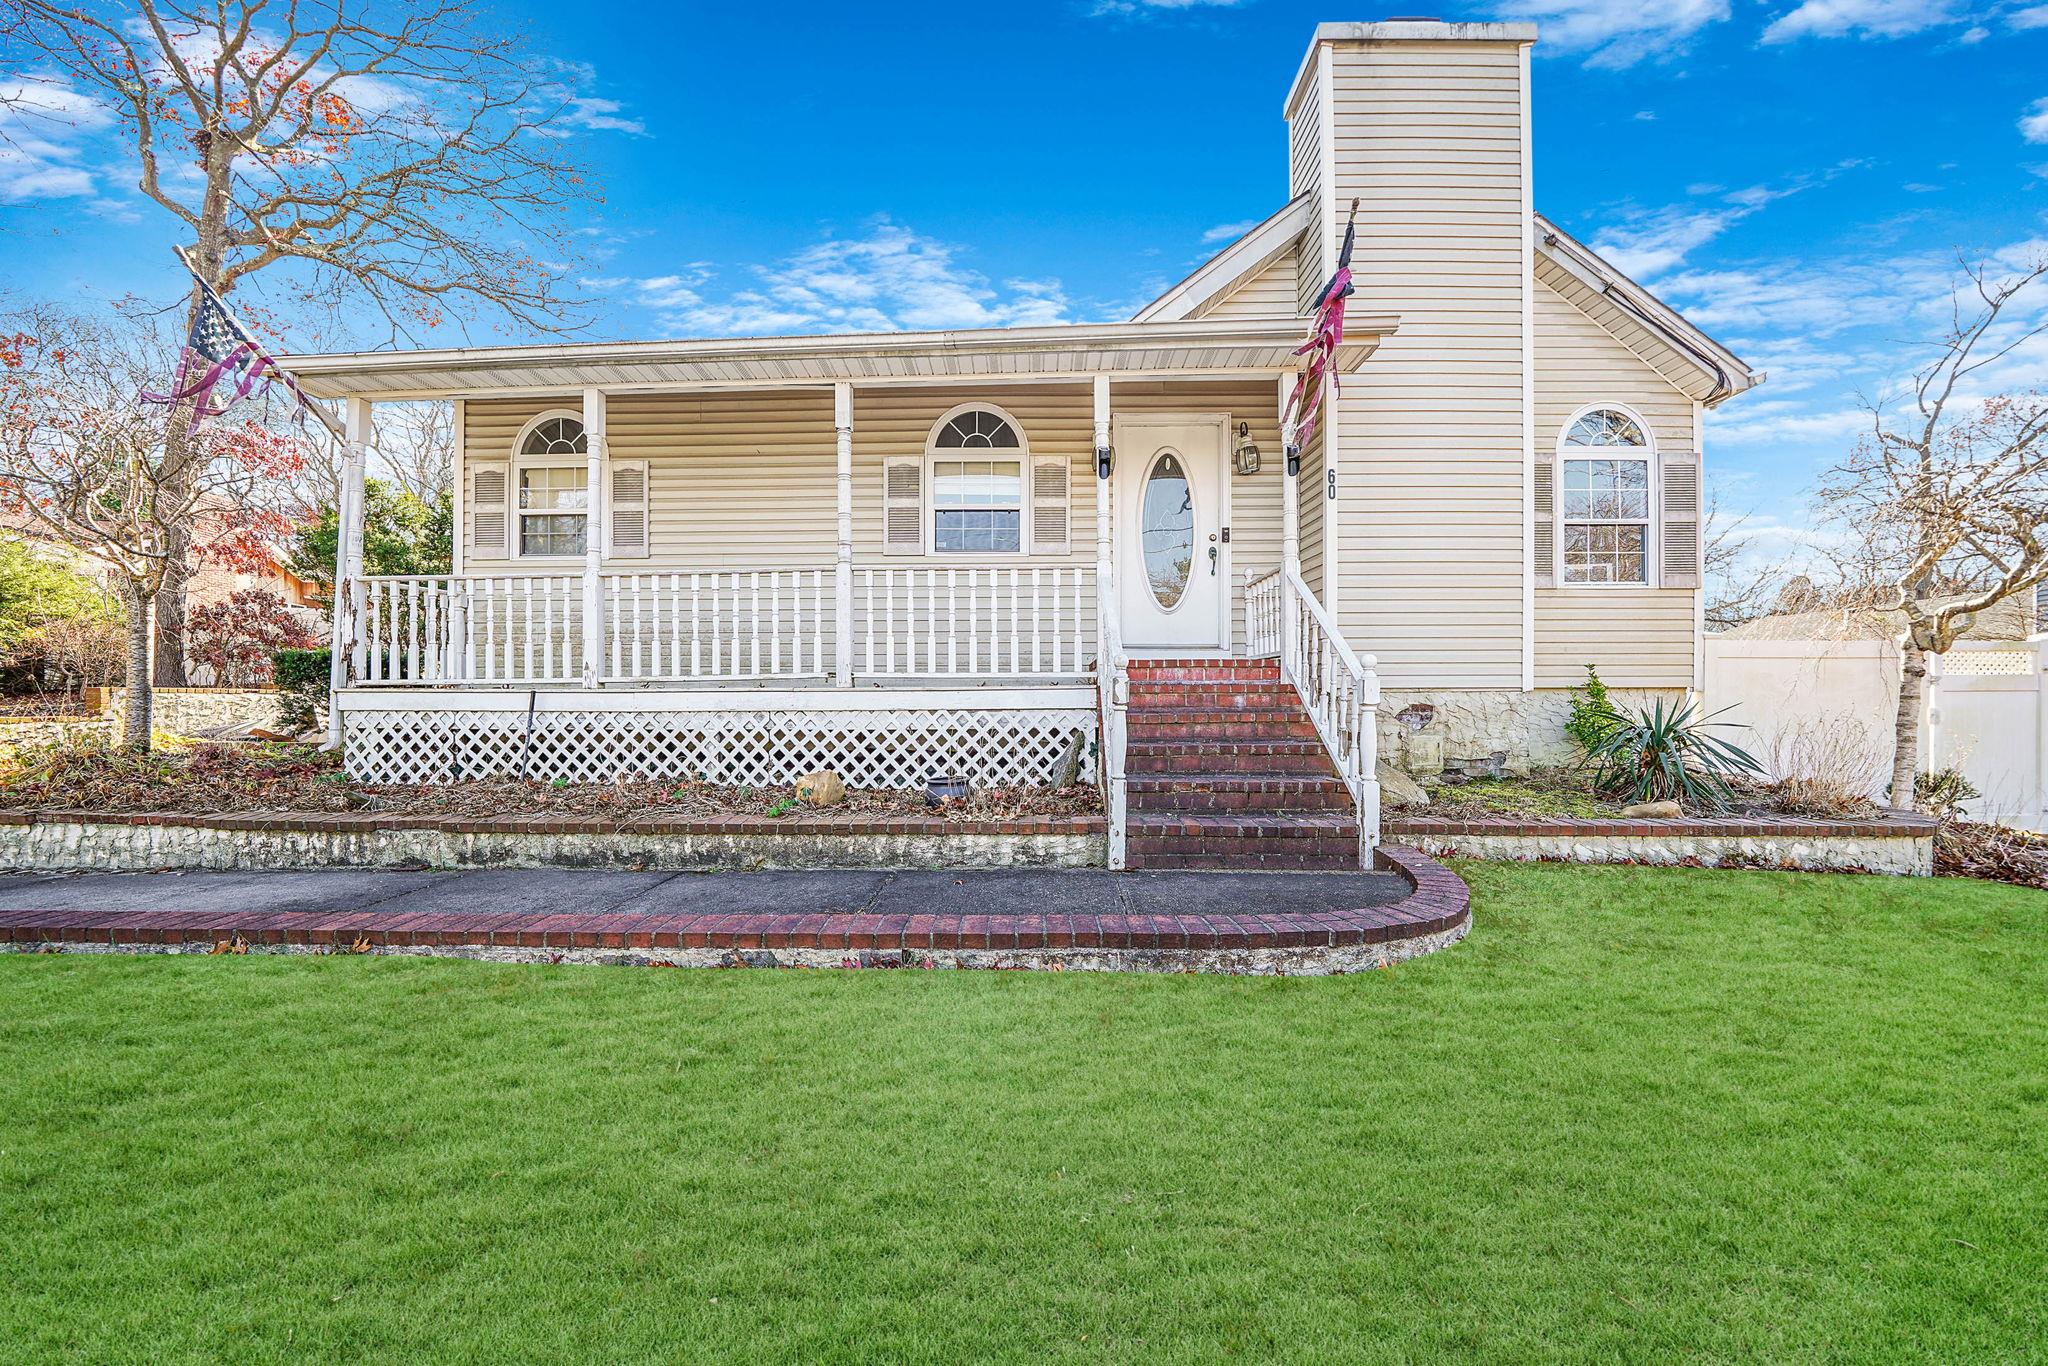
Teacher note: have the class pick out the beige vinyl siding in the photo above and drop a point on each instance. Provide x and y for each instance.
(1310, 488)
(1657, 353)
(1305, 176)
(1635, 637)
(1266, 293)
(1429, 450)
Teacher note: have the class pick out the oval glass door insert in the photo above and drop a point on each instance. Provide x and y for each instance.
(1167, 510)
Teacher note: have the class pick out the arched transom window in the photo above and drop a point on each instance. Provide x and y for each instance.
(1605, 512)
(554, 487)
(977, 484)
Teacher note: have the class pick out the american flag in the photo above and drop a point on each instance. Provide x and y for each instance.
(221, 351)
(1318, 378)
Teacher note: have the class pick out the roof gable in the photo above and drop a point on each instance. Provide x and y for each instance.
(1236, 263)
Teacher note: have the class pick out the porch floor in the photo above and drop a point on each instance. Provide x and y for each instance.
(853, 910)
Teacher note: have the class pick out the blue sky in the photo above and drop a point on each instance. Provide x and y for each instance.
(1796, 176)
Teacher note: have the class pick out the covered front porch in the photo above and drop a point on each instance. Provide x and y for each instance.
(894, 557)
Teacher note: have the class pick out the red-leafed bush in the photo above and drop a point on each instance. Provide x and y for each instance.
(236, 639)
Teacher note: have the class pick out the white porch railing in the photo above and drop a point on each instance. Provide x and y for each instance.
(744, 624)
(906, 624)
(994, 622)
(1340, 689)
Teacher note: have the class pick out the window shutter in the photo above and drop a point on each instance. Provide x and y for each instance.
(903, 506)
(1545, 551)
(488, 514)
(1051, 495)
(1679, 547)
(628, 510)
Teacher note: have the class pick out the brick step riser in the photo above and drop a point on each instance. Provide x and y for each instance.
(1145, 729)
(1212, 674)
(1196, 759)
(1227, 802)
(1199, 697)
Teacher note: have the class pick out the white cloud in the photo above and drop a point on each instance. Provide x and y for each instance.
(44, 126)
(1616, 33)
(1230, 232)
(1648, 243)
(1861, 18)
(888, 280)
(1102, 7)
(2034, 123)
(2033, 16)
(595, 115)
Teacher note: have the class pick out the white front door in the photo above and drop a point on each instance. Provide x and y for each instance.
(1172, 567)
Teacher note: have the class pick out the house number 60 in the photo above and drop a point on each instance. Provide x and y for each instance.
(1332, 495)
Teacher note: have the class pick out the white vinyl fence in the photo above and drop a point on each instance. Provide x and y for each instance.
(1986, 713)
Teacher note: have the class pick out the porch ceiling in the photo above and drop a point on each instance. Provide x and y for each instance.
(1153, 349)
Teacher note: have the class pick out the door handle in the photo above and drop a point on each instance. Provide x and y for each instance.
(1212, 561)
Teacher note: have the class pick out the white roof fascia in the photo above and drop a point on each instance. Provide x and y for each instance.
(1730, 371)
(1165, 348)
(1247, 256)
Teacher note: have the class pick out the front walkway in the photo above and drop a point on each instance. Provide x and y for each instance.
(1078, 918)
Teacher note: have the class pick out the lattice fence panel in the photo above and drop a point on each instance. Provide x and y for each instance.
(879, 749)
(1987, 663)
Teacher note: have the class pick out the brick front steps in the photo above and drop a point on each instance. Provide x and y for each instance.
(1225, 771)
(1899, 842)
(1426, 909)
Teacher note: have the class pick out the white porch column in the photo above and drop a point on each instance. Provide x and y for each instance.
(346, 651)
(1290, 495)
(593, 542)
(842, 573)
(1105, 600)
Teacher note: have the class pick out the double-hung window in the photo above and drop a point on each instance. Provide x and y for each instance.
(977, 499)
(554, 489)
(1606, 461)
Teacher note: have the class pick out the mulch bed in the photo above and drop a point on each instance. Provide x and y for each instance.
(211, 779)
(1991, 852)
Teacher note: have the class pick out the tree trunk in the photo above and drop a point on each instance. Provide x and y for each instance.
(1906, 731)
(170, 611)
(138, 711)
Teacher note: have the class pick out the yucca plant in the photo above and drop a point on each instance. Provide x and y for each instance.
(1665, 753)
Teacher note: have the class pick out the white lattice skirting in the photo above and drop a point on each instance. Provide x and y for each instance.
(877, 748)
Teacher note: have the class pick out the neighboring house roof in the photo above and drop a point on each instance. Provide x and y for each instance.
(1245, 257)
(2012, 619)
(1013, 353)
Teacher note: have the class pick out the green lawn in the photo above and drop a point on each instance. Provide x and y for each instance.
(1637, 1114)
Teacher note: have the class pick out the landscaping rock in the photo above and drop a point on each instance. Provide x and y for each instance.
(822, 788)
(1398, 791)
(1660, 811)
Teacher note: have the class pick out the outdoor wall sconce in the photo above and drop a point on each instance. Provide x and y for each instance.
(1247, 450)
(1104, 455)
(1293, 461)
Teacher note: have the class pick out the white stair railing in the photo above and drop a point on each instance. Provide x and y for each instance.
(1113, 698)
(1339, 688)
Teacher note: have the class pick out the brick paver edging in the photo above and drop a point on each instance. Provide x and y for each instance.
(1437, 909)
(357, 822)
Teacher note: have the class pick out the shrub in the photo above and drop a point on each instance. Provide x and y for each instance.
(1943, 792)
(1824, 768)
(1593, 715)
(237, 639)
(1666, 754)
(301, 679)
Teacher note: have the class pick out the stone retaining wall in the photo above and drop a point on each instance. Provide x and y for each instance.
(189, 711)
(133, 843)
(1900, 843)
